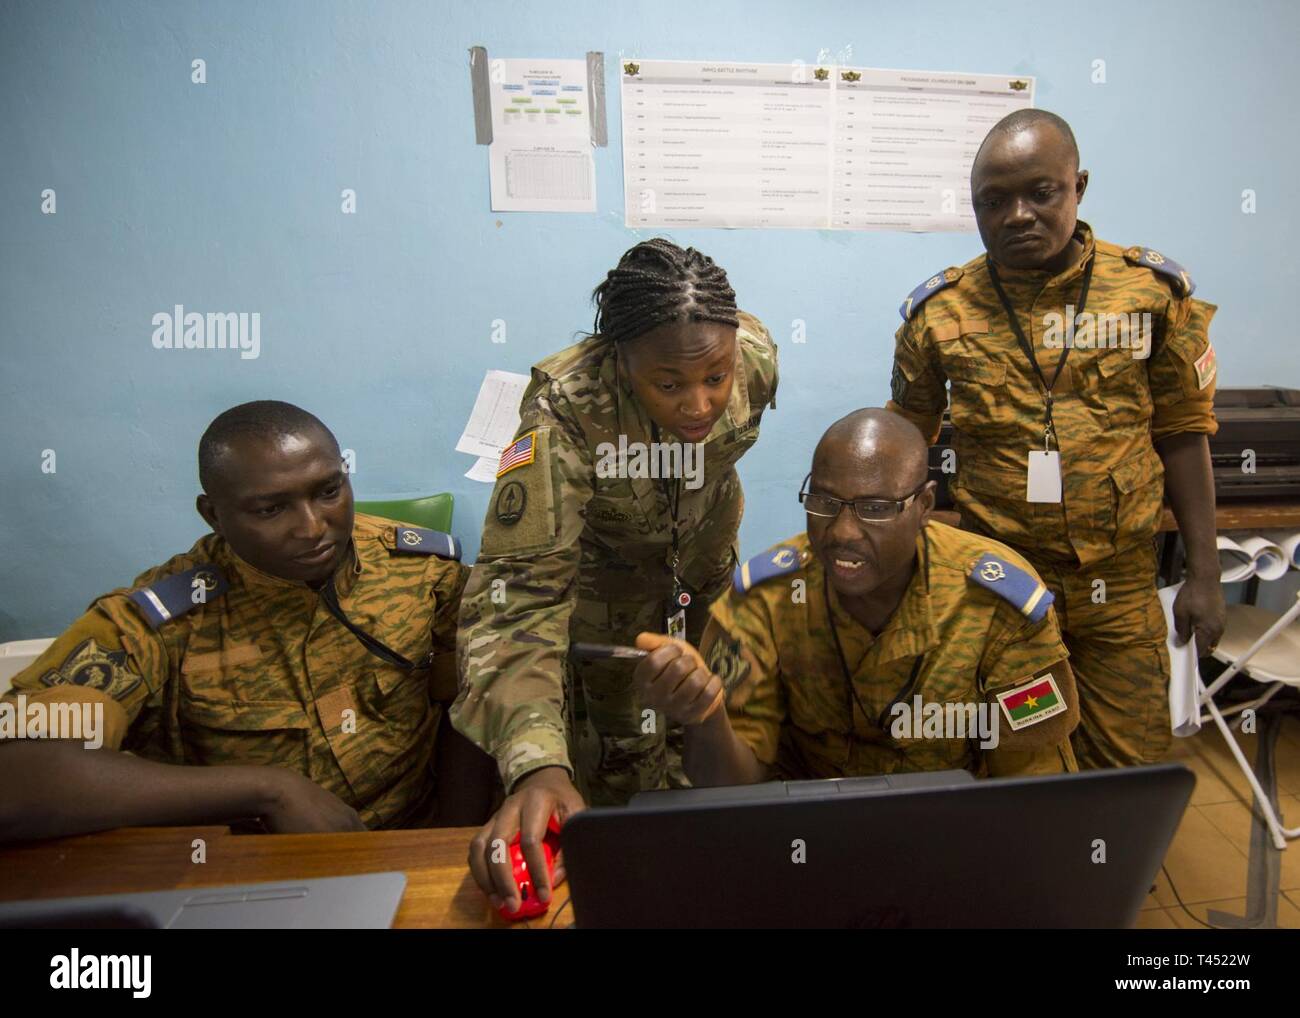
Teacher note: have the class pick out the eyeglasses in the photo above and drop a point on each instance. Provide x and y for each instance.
(868, 510)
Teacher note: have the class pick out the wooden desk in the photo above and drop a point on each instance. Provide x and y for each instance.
(1276, 514)
(439, 889)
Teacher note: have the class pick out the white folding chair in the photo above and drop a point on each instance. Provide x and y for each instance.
(1270, 643)
(17, 655)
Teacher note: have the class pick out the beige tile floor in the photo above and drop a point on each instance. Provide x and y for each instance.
(1208, 857)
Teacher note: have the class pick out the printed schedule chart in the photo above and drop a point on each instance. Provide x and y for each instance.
(725, 145)
(904, 143)
(802, 147)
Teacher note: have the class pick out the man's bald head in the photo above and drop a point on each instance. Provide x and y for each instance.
(1025, 189)
(276, 489)
(1028, 120)
(263, 420)
(887, 450)
(869, 457)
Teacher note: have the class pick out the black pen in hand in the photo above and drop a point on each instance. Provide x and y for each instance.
(601, 651)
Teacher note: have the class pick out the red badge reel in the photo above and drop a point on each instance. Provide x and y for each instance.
(530, 906)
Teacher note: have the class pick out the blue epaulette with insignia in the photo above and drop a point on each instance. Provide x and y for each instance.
(418, 541)
(1022, 589)
(927, 290)
(173, 596)
(776, 562)
(1166, 267)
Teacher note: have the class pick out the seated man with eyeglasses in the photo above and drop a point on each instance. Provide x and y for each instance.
(879, 641)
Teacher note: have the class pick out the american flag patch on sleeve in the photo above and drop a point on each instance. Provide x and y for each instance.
(518, 454)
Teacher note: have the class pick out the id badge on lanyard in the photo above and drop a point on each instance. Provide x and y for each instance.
(1043, 475)
(1044, 484)
(675, 621)
(675, 624)
(675, 617)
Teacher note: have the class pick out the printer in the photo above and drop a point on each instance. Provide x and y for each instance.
(1255, 455)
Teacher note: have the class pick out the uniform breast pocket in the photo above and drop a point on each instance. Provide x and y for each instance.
(614, 510)
(395, 698)
(937, 723)
(980, 401)
(1123, 388)
(1139, 485)
(218, 730)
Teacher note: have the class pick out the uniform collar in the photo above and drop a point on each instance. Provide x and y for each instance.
(1043, 278)
(344, 576)
(909, 632)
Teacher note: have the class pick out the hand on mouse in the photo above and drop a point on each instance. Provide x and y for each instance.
(674, 680)
(526, 812)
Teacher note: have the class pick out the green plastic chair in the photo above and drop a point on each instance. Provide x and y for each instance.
(433, 512)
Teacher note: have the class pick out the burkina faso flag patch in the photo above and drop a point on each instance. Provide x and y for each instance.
(1032, 702)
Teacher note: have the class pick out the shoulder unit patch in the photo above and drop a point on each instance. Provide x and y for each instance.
(1167, 267)
(1024, 590)
(927, 290)
(418, 541)
(173, 596)
(95, 667)
(776, 562)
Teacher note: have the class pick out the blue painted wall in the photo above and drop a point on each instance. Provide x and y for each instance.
(225, 197)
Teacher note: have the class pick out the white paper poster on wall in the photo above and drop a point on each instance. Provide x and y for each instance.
(492, 422)
(804, 147)
(540, 158)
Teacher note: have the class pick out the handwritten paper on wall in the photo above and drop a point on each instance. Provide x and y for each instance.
(540, 158)
(802, 147)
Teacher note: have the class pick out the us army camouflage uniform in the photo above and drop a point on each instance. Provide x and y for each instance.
(568, 555)
(262, 674)
(794, 710)
(1110, 409)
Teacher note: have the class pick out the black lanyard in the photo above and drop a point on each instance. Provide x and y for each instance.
(373, 644)
(1024, 342)
(673, 496)
(908, 686)
(680, 598)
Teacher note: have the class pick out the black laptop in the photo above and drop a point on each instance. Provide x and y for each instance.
(931, 850)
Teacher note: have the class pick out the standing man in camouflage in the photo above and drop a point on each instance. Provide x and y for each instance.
(877, 642)
(285, 669)
(1082, 392)
(615, 512)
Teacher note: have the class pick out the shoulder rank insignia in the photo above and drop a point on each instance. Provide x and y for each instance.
(776, 562)
(1167, 267)
(418, 541)
(1022, 589)
(927, 290)
(173, 596)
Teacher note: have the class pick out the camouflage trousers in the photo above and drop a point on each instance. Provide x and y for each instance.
(1116, 638)
(620, 748)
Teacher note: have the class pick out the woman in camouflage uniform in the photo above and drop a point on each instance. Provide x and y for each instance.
(615, 512)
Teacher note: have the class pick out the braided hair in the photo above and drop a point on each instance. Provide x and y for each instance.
(658, 282)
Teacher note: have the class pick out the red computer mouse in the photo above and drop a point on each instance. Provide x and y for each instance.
(530, 906)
